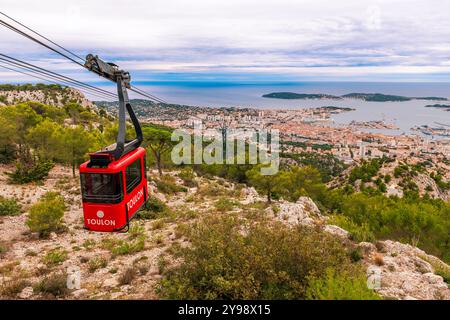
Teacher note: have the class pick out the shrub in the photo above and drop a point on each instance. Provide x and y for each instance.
(224, 204)
(143, 269)
(9, 207)
(9, 267)
(366, 171)
(55, 284)
(231, 258)
(127, 276)
(378, 259)
(356, 255)
(211, 189)
(168, 185)
(122, 247)
(162, 264)
(12, 287)
(3, 249)
(358, 232)
(134, 243)
(188, 177)
(154, 209)
(136, 231)
(328, 165)
(338, 286)
(97, 263)
(35, 173)
(46, 215)
(158, 224)
(7, 153)
(158, 239)
(89, 244)
(55, 257)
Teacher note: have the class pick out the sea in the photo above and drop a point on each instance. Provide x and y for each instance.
(404, 115)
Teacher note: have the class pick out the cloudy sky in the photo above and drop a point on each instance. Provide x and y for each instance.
(241, 40)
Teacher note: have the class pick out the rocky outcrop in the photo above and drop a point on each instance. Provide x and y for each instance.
(394, 270)
(401, 271)
(303, 212)
(425, 182)
(337, 231)
(58, 98)
(250, 195)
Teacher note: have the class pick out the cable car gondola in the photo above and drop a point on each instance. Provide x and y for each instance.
(113, 181)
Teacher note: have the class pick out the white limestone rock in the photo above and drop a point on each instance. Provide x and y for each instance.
(337, 231)
(406, 272)
(26, 293)
(303, 212)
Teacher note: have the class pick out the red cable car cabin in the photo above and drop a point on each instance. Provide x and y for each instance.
(113, 194)
(113, 181)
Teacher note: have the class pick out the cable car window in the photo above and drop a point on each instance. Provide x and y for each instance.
(133, 175)
(101, 187)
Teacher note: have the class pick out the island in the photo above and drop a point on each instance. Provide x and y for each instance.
(432, 98)
(370, 97)
(299, 96)
(446, 107)
(334, 109)
(376, 97)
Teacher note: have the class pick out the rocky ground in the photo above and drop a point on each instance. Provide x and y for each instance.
(27, 262)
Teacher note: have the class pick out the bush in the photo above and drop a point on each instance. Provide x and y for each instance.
(55, 284)
(12, 287)
(154, 209)
(7, 153)
(356, 255)
(230, 258)
(129, 247)
(127, 276)
(188, 177)
(55, 257)
(134, 243)
(224, 205)
(359, 233)
(3, 249)
(338, 286)
(46, 215)
(9, 207)
(328, 165)
(97, 263)
(367, 170)
(34, 173)
(168, 185)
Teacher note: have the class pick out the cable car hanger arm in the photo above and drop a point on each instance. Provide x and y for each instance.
(122, 78)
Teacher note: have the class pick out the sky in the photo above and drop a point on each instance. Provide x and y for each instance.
(241, 41)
